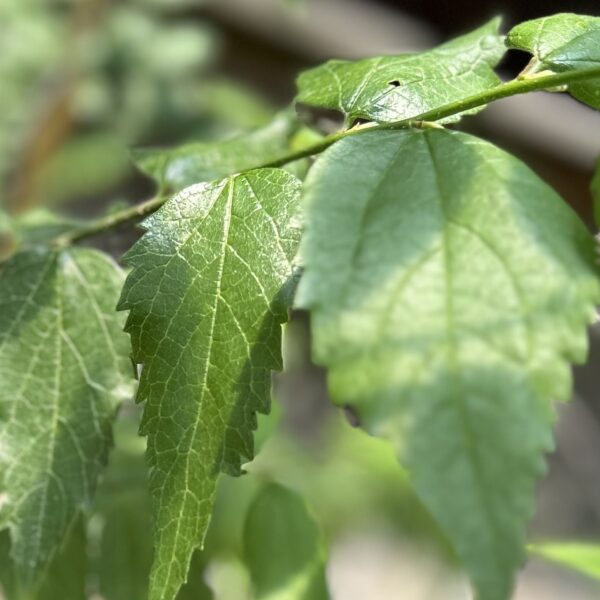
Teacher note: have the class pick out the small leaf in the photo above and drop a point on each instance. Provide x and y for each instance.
(392, 88)
(563, 42)
(207, 295)
(596, 192)
(283, 548)
(63, 371)
(447, 287)
(204, 161)
(578, 556)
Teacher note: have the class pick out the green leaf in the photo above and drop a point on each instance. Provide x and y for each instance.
(392, 88)
(204, 161)
(596, 192)
(579, 556)
(65, 577)
(563, 42)
(64, 369)
(122, 524)
(207, 294)
(283, 548)
(40, 226)
(448, 286)
(196, 587)
(7, 236)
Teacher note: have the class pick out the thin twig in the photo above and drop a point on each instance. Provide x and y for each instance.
(511, 88)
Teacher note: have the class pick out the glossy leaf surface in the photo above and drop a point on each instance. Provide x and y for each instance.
(392, 88)
(563, 42)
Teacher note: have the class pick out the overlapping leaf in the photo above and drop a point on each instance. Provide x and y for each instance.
(207, 296)
(392, 88)
(64, 368)
(563, 42)
(283, 548)
(448, 287)
(204, 161)
(64, 578)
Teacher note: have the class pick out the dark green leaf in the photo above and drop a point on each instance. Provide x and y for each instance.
(122, 544)
(65, 578)
(392, 88)
(204, 161)
(64, 369)
(207, 296)
(563, 42)
(283, 548)
(448, 287)
(596, 192)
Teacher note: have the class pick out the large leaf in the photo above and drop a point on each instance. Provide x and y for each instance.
(283, 548)
(204, 161)
(448, 286)
(392, 88)
(207, 296)
(63, 370)
(563, 42)
(579, 556)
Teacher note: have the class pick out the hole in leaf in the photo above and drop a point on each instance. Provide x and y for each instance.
(394, 83)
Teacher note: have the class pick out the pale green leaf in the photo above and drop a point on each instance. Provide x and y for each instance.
(392, 88)
(283, 548)
(579, 556)
(204, 161)
(207, 294)
(64, 368)
(563, 42)
(448, 287)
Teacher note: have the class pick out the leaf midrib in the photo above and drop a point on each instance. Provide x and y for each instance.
(217, 298)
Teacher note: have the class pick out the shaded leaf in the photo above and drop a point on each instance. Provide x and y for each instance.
(283, 548)
(448, 286)
(563, 42)
(63, 370)
(122, 544)
(65, 578)
(207, 295)
(121, 525)
(392, 88)
(204, 161)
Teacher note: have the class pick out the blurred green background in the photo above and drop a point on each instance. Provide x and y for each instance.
(83, 82)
